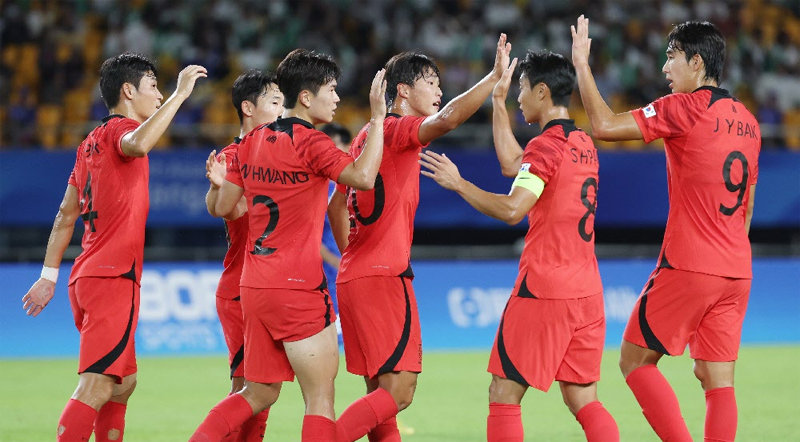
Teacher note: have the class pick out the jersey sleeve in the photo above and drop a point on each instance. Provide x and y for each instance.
(541, 158)
(234, 172)
(323, 157)
(120, 127)
(669, 116)
(403, 133)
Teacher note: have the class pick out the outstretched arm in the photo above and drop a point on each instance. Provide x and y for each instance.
(41, 292)
(463, 106)
(361, 173)
(139, 142)
(509, 152)
(510, 208)
(606, 125)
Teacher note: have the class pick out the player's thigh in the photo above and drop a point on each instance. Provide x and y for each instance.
(668, 311)
(581, 362)
(532, 338)
(719, 333)
(315, 361)
(231, 319)
(381, 314)
(109, 313)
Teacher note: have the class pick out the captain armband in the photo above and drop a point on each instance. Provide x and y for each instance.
(527, 180)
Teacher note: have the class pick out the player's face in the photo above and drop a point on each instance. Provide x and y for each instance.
(146, 97)
(269, 105)
(678, 72)
(323, 103)
(527, 100)
(425, 95)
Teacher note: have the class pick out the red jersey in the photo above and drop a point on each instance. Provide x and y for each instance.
(382, 219)
(712, 144)
(558, 260)
(114, 200)
(284, 168)
(236, 235)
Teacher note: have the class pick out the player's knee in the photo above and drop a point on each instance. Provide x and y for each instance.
(403, 393)
(122, 392)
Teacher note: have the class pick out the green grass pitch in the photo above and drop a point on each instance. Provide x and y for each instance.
(174, 395)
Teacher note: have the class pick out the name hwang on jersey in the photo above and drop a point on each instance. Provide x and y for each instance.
(270, 175)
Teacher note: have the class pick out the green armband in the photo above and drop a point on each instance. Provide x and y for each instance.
(529, 181)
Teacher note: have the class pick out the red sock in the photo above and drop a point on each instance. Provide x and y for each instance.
(721, 415)
(386, 431)
(109, 425)
(76, 422)
(365, 414)
(504, 423)
(230, 413)
(597, 423)
(659, 403)
(318, 429)
(252, 430)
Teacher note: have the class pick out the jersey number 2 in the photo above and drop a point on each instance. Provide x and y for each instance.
(258, 248)
(740, 187)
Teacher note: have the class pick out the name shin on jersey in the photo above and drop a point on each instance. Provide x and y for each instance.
(270, 175)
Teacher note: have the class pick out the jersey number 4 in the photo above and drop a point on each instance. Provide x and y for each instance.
(87, 214)
(259, 248)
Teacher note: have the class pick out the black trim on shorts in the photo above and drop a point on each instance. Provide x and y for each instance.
(394, 358)
(664, 263)
(408, 272)
(130, 274)
(237, 360)
(103, 363)
(328, 307)
(649, 337)
(523, 291)
(509, 370)
(238, 298)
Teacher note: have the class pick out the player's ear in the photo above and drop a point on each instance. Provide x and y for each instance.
(697, 62)
(247, 108)
(403, 90)
(542, 91)
(304, 98)
(127, 90)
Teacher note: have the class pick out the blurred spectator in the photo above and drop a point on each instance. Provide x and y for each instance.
(54, 48)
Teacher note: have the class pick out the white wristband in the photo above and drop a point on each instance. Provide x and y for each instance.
(50, 274)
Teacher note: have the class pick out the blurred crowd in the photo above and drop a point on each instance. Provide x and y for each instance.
(51, 50)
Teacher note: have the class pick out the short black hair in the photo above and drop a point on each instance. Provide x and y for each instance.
(406, 67)
(304, 70)
(700, 37)
(552, 69)
(334, 129)
(124, 68)
(248, 87)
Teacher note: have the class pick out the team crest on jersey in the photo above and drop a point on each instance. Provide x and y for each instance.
(649, 111)
(525, 167)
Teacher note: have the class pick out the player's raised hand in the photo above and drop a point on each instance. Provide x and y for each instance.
(440, 168)
(216, 169)
(581, 43)
(38, 296)
(377, 95)
(501, 88)
(187, 78)
(501, 57)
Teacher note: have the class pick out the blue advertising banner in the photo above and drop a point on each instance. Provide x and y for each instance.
(632, 190)
(460, 304)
